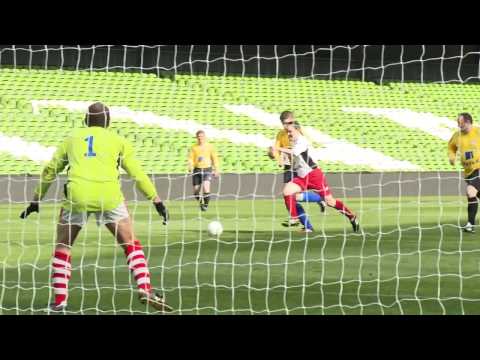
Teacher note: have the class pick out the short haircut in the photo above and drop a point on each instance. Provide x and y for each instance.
(285, 115)
(199, 132)
(98, 115)
(466, 116)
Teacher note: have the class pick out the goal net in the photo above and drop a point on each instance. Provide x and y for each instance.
(378, 119)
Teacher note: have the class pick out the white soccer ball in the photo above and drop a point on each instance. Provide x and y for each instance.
(215, 228)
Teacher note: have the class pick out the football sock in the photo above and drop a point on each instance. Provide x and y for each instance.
(472, 209)
(344, 210)
(206, 198)
(61, 273)
(138, 265)
(302, 216)
(290, 203)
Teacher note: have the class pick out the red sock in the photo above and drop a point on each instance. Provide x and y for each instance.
(61, 273)
(138, 265)
(291, 204)
(344, 210)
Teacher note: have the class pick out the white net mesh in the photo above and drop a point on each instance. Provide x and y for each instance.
(377, 117)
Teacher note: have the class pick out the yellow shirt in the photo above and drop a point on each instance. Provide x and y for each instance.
(283, 141)
(204, 156)
(468, 145)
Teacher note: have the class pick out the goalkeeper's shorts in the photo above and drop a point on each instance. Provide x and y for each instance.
(68, 217)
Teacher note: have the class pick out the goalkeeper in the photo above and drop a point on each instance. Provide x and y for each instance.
(93, 155)
(282, 141)
(467, 143)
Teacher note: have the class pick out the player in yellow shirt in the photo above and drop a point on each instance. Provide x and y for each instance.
(282, 141)
(466, 142)
(203, 163)
(93, 155)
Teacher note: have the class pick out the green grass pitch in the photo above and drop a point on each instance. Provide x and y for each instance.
(410, 259)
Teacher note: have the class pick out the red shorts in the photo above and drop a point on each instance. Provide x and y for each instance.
(315, 180)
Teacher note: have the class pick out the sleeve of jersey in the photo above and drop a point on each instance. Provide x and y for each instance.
(51, 170)
(133, 168)
(191, 157)
(276, 153)
(215, 160)
(452, 148)
(300, 147)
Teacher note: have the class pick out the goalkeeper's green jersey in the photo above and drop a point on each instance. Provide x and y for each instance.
(92, 157)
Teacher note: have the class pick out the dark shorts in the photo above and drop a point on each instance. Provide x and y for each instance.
(289, 174)
(474, 179)
(201, 175)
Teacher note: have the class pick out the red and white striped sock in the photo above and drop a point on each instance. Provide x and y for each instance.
(61, 273)
(138, 265)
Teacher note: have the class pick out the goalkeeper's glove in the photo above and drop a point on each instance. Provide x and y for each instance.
(162, 211)
(33, 207)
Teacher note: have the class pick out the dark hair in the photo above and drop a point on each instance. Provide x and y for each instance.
(466, 116)
(98, 115)
(199, 132)
(285, 115)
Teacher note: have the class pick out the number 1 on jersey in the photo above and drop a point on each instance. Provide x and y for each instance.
(90, 152)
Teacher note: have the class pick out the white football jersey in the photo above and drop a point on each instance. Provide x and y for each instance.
(303, 164)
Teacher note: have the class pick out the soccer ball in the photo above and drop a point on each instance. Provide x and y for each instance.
(215, 228)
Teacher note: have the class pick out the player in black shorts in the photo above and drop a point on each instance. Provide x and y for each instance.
(204, 164)
(466, 141)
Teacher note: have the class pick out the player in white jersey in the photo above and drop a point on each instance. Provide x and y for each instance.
(309, 176)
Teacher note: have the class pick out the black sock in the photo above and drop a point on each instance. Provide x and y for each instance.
(206, 198)
(472, 209)
(197, 196)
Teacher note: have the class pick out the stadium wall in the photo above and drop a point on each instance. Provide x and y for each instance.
(16, 188)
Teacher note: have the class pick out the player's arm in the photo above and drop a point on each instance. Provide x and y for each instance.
(49, 174)
(452, 149)
(285, 150)
(191, 160)
(273, 153)
(215, 162)
(133, 168)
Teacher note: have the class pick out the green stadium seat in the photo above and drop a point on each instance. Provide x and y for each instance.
(316, 102)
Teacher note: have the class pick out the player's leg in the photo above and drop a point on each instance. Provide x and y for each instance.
(296, 210)
(472, 207)
(343, 209)
(122, 230)
(196, 192)
(316, 180)
(206, 191)
(68, 229)
(197, 182)
(312, 196)
(288, 176)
